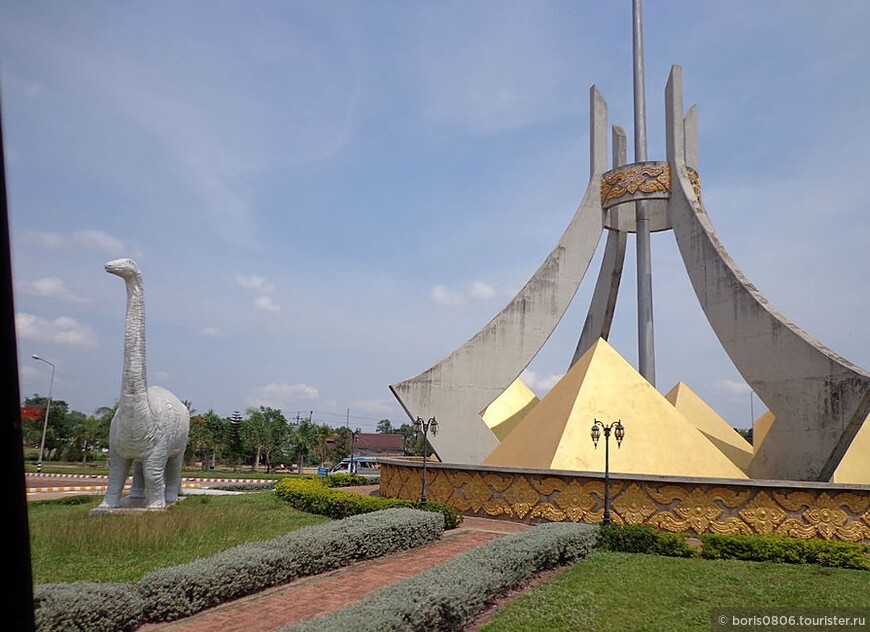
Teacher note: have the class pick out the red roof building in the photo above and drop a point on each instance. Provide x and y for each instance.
(378, 444)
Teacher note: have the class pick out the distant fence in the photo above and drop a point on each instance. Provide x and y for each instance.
(682, 505)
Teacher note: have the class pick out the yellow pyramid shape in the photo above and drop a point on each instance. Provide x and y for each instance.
(509, 409)
(718, 431)
(760, 429)
(659, 440)
(854, 467)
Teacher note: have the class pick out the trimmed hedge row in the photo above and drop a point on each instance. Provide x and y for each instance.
(332, 480)
(87, 606)
(643, 539)
(179, 591)
(310, 495)
(758, 548)
(450, 596)
(344, 480)
(777, 548)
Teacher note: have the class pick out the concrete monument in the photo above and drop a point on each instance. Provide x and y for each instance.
(150, 427)
(818, 399)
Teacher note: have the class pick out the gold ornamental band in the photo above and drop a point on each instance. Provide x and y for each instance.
(641, 180)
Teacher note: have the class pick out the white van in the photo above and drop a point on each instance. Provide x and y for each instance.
(368, 466)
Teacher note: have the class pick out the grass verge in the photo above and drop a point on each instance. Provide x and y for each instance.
(632, 591)
(68, 544)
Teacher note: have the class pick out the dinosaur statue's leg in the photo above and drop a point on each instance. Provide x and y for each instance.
(137, 489)
(152, 471)
(118, 470)
(173, 478)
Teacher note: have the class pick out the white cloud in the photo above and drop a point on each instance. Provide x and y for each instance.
(281, 395)
(162, 375)
(266, 304)
(540, 384)
(480, 291)
(477, 291)
(63, 330)
(51, 288)
(733, 388)
(45, 239)
(88, 239)
(98, 240)
(253, 282)
(440, 295)
(213, 332)
(372, 406)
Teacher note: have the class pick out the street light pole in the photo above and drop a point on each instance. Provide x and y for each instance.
(47, 410)
(619, 433)
(351, 469)
(425, 425)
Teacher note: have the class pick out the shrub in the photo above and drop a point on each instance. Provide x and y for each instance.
(673, 545)
(87, 606)
(450, 596)
(777, 548)
(245, 487)
(310, 495)
(644, 539)
(181, 591)
(347, 480)
(452, 518)
(628, 539)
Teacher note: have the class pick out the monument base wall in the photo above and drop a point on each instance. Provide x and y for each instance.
(694, 506)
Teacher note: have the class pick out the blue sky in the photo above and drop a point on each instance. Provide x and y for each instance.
(326, 198)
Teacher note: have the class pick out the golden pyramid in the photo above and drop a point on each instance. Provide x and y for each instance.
(509, 409)
(718, 431)
(854, 467)
(659, 440)
(760, 429)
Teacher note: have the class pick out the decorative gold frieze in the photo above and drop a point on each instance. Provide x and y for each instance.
(645, 178)
(575, 500)
(688, 507)
(521, 496)
(633, 505)
(440, 487)
(762, 513)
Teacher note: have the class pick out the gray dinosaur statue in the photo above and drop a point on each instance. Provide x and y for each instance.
(149, 430)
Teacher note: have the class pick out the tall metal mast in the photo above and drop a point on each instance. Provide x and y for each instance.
(645, 329)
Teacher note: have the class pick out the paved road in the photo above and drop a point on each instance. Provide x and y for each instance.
(49, 486)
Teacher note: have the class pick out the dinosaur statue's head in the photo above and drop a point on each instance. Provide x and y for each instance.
(124, 268)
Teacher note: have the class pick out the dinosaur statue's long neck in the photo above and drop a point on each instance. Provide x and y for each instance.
(134, 385)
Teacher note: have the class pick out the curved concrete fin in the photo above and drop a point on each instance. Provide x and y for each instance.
(819, 399)
(458, 387)
(603, 305)
(599, 318)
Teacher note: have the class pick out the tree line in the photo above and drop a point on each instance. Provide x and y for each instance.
(262, 438)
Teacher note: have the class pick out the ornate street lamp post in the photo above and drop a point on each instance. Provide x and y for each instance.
(619, 433)
(350, 468)
(425, 426)
(47, 410)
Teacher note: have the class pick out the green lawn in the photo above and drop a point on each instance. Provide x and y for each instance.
(68, 544)
(627, 591)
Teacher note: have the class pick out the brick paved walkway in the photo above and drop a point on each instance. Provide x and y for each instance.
(309, 597)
